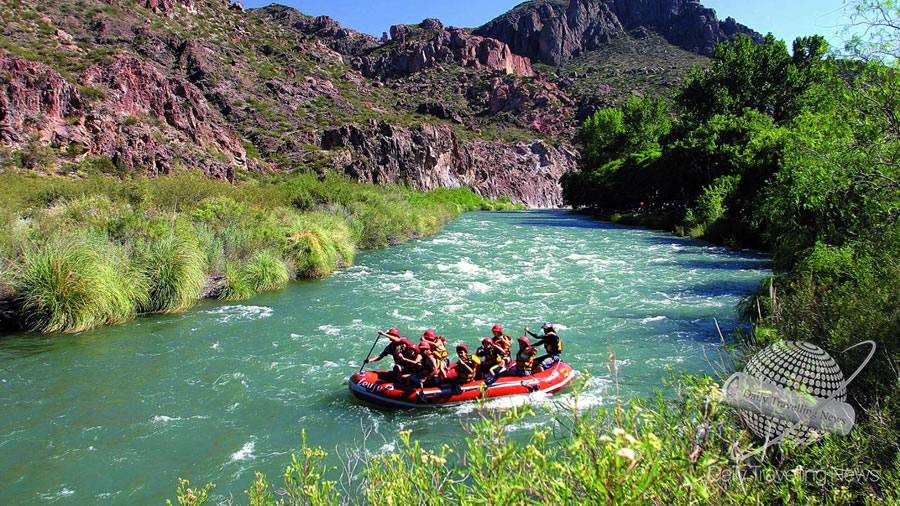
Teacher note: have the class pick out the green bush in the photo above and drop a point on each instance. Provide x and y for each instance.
(70, 285)
(236, 286)
(265, 272)
(174, 267)
(312, 250)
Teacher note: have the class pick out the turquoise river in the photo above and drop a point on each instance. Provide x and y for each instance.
(119, 414)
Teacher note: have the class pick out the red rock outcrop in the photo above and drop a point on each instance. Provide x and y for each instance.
(31, 91)
(338, 38)
(167, 6)
(433, 156)
(408, 55)
(134, 115)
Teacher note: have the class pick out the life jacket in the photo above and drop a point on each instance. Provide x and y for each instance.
(505, 342)
(425, 367)
(491, 358)
(554, 348)
(474, 362)
(439, 350)
(524, 361)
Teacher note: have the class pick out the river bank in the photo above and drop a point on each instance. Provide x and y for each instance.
(78, 253)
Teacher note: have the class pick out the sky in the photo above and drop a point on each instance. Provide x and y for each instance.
(785, 19)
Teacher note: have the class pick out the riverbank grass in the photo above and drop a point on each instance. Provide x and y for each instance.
(78, 253)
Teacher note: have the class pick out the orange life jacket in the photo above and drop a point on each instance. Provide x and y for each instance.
(525, 361)
(439, 350)
(504, 342)
(473, 363)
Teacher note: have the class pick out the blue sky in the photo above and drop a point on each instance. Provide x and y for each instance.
(785, 19)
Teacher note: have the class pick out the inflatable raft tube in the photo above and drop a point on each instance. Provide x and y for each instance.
(377, 387)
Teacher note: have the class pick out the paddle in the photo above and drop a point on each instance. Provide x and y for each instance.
(370, 352)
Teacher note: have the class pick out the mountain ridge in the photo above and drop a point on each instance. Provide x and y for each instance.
(163, 86)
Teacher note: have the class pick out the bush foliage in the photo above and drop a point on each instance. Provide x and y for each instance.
(797, 153)
(673, 449)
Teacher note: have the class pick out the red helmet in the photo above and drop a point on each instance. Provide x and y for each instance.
(424, 347)
(525, 340)
(414, 348)
(487, 341)
(443, 339)
(405, 341)
(394, 332)
(462, 347)
(429, 334)
(497, 328)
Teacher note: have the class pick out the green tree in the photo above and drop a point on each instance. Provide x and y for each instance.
(619, 147)
(763, 77)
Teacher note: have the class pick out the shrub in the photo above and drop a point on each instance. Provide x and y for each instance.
(265, 272)
(92, 93)
(67, 286)
(174, 267)
(236, 285)
(312, 250)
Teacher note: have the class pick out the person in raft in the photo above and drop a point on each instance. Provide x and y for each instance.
(552, 345)
(491, 358)
(503, 341)
(412, 360)
(428, 370)
(396, 350)
(524, 358)
(467, 366)
(439, 350)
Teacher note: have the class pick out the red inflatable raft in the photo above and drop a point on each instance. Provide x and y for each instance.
(376, 387)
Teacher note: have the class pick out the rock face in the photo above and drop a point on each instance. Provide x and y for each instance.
(432, 156)
(553, 32)
(409, 54)
(343, 40)
(134, 116)
(167, 6)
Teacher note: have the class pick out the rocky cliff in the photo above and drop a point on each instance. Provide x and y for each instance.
(409, 53)
(158, 86)
(428, 157)
(553, 32)
(142, 121)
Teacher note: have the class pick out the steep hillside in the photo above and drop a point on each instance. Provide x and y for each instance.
(163, 86)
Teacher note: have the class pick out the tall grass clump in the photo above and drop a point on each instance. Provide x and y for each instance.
(174, 266)
(312, 250)
(236, 287)
(265, 272)
(75, 286)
